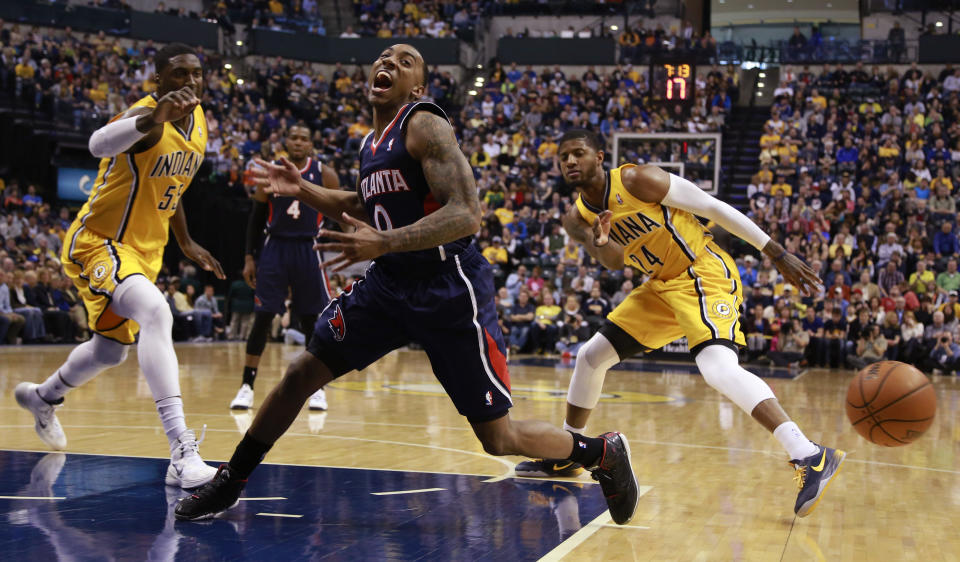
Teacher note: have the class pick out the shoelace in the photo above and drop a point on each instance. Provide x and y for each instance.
(800, 476)
(194, 444)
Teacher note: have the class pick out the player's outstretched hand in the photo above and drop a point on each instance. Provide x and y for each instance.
(199, 254)
(364, 243)
(798, 274)
(601, 228)
(175, 105)
(276, 179)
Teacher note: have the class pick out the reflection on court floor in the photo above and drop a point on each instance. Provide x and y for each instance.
(93, 507)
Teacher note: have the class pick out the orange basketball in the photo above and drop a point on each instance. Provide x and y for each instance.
(891, 403)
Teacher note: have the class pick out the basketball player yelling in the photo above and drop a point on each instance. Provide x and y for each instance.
(415, 212)
(114, 250)
(643, 217)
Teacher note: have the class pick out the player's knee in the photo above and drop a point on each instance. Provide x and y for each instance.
(110, 353)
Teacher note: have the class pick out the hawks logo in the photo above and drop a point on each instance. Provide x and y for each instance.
(337, 326)
(100, 271)
(722, 309)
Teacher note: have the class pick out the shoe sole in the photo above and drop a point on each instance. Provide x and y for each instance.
(317, 409)
(633, 475)
(823, 490)
(36, 423)
(239, 407)
(205, 516)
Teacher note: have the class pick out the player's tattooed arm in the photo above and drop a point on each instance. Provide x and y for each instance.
(594, 238)
(430, 139)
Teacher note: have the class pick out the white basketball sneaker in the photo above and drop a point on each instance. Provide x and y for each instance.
(47, 425)
(319, 400)
(187, 469)
(243, 399)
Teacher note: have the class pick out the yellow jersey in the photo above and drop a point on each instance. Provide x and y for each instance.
(135, 195)
(660, 241)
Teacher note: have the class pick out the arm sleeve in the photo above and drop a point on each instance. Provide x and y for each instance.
(683, 194)
(258, 217)
(114, 138)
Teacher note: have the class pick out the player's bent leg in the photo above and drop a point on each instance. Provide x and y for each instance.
(139, 299)
(86, 361)
(607, 457)
(304, 376)
(815, 465)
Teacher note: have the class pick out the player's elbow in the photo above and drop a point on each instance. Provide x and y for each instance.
(97, 145)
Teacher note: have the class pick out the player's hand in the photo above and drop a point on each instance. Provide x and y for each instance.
(200, 255)
(798, 274)
(250, 272)
(277, 179)
(601, 228)
(175, 105)
(364, 243)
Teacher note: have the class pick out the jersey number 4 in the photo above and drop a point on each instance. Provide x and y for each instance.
(651, 260)
(294, 209)
(171, 197)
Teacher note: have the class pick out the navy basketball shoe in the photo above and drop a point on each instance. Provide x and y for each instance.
(213, 498)
(813, 475)
(548, 468)
(616, 478)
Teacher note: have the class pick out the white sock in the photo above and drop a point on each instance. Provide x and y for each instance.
(172, 418)
(139, 299)
(86, 361)
(794, 441)
(568, 427)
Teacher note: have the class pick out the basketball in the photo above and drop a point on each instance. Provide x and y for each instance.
(891, 403)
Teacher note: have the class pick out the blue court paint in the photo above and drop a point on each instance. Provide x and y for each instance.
(651, 365)
(118, 508)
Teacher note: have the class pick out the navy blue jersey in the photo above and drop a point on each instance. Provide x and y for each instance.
(395, 192)
(289, 218)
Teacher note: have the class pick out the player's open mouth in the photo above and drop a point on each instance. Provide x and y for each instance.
(382, 81)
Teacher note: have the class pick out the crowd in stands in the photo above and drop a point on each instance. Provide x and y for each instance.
(857, 174)
(638, 44)
(429, 18)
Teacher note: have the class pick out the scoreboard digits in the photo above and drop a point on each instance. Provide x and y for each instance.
(673, 82)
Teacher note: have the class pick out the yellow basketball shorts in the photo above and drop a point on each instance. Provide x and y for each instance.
(96, 265)
(702, 305)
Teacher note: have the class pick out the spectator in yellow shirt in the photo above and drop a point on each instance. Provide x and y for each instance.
(547, 150)
(495, 252)
(505, 213)
(781, 185)
(276, 7)
(360, 128)
(920, 278)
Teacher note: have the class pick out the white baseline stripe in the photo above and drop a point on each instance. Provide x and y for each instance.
(261, 499)
(32, 498)
(407, 492)
(585, 532)
(290, 515)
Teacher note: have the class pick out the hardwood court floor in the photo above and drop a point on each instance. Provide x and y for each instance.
(717, 486)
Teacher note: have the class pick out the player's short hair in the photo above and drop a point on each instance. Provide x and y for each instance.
(588, 136)
(172, 50)
(303, 125)
(423, 81)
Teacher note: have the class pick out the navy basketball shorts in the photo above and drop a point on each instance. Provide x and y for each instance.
(448, 310)
(290, 263)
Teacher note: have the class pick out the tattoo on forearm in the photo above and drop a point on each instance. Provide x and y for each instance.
(452, 184)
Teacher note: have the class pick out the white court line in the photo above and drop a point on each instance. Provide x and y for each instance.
(290, 515)
(407, 492)
(32, 498)
(585, 532)
(615, 526)
(260, 499)
(497, 478)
